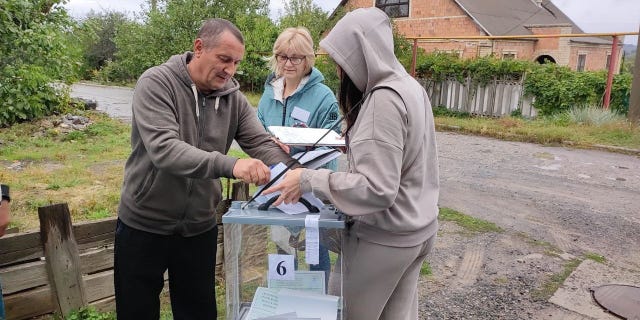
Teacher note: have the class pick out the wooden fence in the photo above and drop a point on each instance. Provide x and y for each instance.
(65, 266)
(58, 269)
(496, 99)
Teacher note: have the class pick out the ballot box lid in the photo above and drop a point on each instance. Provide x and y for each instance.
(329, 217)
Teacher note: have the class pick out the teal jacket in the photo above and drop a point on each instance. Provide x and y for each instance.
(313, 105)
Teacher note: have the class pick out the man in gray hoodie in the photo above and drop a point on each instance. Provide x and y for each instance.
(186, 114)
(391, 188)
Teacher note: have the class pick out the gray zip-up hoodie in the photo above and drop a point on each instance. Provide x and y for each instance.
(391, 187)
(179, 141)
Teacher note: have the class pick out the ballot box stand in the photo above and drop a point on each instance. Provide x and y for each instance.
(259, 265)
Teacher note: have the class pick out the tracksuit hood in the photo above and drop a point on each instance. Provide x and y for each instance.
(362, 44)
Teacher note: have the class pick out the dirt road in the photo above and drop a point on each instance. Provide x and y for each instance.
(557, 206)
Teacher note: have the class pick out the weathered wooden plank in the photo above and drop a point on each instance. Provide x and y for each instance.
(23, 276)
(93, 231)
(63, 260)
(34, 274)
(20, 247)
(16, 248)
(99, 285)
(105, 305)
(97, 260)
(31, 303)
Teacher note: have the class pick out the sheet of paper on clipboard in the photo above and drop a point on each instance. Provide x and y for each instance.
(297, 136)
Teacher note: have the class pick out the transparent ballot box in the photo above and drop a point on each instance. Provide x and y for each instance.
(282, 266)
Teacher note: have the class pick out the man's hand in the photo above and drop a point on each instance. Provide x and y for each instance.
(289, 188)
(283, 146)
(251, 171)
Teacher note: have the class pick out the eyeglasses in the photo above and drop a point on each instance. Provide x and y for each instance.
(294, 60)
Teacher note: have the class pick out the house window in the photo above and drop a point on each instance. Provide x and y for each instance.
(582, 58)
(508, 56)
(608, 61)
(394, 8)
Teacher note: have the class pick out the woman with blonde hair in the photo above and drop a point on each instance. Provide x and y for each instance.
(294, 93)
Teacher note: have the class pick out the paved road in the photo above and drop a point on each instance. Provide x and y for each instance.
(581, 201)
(116, 101)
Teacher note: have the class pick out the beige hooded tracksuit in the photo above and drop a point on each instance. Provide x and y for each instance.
(391, 186)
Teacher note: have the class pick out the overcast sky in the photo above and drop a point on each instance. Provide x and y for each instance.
(590, 15)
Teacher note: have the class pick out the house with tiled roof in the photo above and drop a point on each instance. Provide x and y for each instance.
(461, 18)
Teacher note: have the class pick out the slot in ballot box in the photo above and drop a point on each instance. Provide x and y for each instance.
(265, 262)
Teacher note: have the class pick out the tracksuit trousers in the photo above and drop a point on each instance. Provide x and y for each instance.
(140, 261)
(381, 282)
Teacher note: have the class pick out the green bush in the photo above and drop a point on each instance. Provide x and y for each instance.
(592, 115)
(555, 88)
(35, 55)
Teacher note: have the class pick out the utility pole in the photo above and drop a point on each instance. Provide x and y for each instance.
(634, 101)
(612, 67)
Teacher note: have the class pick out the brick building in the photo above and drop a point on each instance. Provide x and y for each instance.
(455, 18)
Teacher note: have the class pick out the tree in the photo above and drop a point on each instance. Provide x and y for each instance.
(304, 13)
(96, 34)
(170, 29)
(35, 52)
(259, 35)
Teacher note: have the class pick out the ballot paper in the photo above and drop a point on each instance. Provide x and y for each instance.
(299, 136)
(315, 159)
(270, 302)
(296, 208)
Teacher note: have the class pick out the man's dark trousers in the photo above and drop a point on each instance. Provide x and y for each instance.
(140, 260)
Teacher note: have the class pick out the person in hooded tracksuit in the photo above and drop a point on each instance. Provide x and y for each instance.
(295, 96)
(186, 114)
(391, 187)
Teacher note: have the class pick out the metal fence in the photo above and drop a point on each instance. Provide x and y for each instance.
(496, 99)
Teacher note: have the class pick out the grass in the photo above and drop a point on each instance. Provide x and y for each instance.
(555, 281)
(584, 129)
(595, 257)
(469, 223)
(253, 98)
(83, 168)
(425, 269)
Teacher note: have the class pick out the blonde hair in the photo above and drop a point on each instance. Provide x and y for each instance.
(295, 39)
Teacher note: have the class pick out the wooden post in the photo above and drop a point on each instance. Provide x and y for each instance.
(612, 69)
(62, 258)
(414, 57)
(634, 100)
(240, 191)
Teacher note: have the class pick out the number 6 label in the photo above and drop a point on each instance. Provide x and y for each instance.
(281, 267)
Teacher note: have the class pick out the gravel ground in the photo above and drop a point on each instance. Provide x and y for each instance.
(555, 204)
